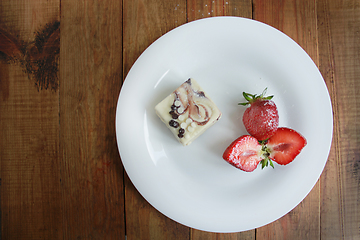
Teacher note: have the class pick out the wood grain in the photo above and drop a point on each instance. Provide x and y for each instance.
(201, 235)
(145, 21)
(29, 143)
(61, 176)
(91, 76)
(298, 20)
(197, 9)
(339, 24)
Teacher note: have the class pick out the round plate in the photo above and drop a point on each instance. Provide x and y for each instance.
(193, 185)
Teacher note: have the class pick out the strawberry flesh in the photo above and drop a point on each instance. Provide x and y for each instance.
(244, 153)
(285, 145)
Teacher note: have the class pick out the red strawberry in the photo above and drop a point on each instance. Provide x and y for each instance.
(261, 119)
(285, 145)
(244, 153)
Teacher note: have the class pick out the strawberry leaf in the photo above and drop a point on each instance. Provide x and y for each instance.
(266, 162)
(243, 104)
(271, 164)
(263, 93)
(250, 98)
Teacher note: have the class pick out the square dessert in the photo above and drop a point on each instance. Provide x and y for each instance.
(188, 112)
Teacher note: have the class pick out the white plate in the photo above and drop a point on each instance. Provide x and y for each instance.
(193, 185)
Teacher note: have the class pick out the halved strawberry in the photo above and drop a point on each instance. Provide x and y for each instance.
(261, 119)
(244, 153)
(285, 145)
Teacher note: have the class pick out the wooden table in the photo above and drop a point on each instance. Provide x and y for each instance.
(62, 65)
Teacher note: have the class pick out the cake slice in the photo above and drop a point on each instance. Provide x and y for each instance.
(188, 112)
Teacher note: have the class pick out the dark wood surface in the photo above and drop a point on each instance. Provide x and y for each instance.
(62, 65)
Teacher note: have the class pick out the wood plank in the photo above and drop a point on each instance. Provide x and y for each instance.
(29, 125)
(91, 78)
(202, 235)
(144, 22)
(339, 24)
(298, 20)
(198, 9)
(295, 18)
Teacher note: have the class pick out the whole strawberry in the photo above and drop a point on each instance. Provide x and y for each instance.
(261, 119)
